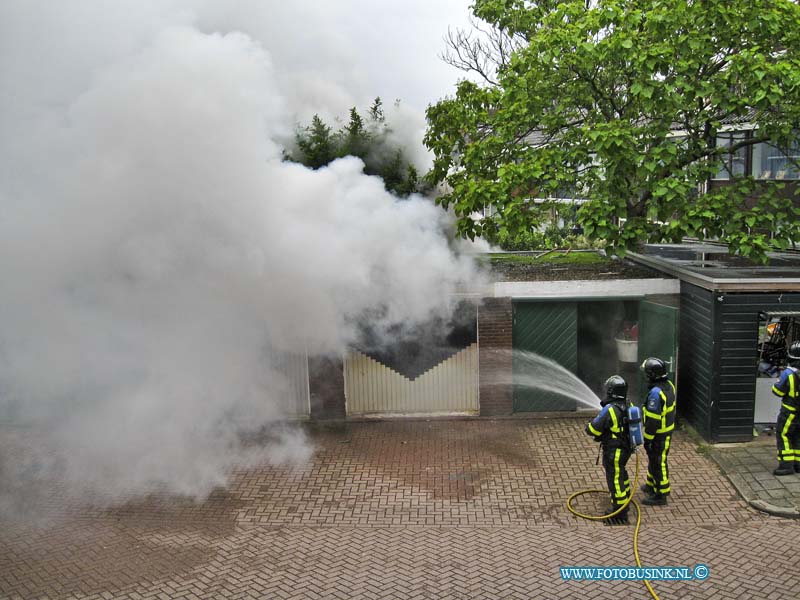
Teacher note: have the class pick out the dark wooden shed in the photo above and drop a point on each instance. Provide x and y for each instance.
(726, 307)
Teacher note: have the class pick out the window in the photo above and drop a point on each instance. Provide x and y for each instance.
(731, 164)
(770, 162)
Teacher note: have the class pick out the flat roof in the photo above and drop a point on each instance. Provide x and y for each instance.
(585, 289)
(712, 267)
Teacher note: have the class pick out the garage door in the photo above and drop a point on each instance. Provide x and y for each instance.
(549, 330)
(450, 387)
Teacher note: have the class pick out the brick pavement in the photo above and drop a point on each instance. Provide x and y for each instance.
(439, 509)
(749, 467)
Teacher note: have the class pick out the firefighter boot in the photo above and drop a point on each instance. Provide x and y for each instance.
(618, 519)
(655, 500)
(647, 489)
(784, 468)
(797, 466)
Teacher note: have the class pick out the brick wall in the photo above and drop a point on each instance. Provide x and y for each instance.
(494, 358)
(326, 387)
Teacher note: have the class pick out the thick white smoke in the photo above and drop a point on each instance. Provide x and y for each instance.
(158, 258)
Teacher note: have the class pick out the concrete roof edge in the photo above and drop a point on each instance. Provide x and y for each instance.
(585, 288)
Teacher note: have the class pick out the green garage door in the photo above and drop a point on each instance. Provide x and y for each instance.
(543, 329)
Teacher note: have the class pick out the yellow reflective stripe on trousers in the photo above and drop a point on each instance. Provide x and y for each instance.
(664, 486)
(788, 453)
(619, 493)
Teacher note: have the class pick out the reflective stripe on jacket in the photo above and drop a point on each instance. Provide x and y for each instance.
(787, 389)
(659, 410)
(609, 425)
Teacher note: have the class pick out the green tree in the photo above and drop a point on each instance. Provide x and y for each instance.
(399, 176)
(355, 139)
(376, 114)
(391, 171)
(316, 144)
(621, 101)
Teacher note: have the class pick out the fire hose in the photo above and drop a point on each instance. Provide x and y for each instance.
(630, 500)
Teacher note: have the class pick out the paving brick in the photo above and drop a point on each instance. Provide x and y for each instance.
(406, 510)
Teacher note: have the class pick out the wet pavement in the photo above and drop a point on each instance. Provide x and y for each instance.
(406, 509)
(749, 468)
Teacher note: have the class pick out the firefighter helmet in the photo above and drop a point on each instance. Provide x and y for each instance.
(654, 369)
(794, 351)
(616, 389)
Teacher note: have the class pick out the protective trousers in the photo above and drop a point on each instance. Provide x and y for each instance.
(657, 468)
(615, 458)
(787, 436)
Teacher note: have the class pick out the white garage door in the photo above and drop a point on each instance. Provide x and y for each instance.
(451, 387)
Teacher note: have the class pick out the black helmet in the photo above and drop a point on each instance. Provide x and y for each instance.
(794, 351)
(616, 389)
(655, 369)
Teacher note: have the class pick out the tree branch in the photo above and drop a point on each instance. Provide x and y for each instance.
(482, 50)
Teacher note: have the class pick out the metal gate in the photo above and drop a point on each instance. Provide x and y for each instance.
(451, 387)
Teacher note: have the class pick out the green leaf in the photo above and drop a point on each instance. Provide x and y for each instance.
(584, 109)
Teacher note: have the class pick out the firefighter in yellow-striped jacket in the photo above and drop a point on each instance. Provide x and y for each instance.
(787, 429)
(610, 428)
(659, 422)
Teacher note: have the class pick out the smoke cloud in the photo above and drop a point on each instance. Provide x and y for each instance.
(159, 261)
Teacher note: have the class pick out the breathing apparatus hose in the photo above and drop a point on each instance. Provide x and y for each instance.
(630, 500)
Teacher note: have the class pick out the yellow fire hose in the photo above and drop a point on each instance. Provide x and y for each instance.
(630, 500)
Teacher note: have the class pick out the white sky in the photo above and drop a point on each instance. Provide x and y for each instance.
(389, 48)
(328, 55)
